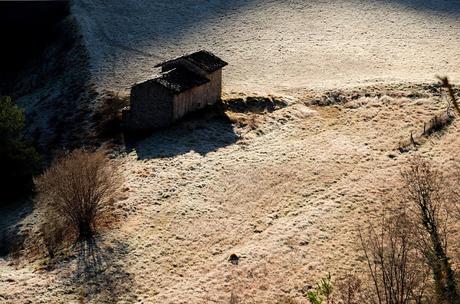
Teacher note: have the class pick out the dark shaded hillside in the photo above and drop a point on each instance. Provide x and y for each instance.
(26, 27)
(45, 71)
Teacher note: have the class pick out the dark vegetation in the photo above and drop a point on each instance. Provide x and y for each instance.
(19, 159)
(442, 121)
(439, 122)
(108, 117)
(44, 68)
(253, 104)
(245, 112)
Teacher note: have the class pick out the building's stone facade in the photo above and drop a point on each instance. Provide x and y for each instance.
(184, 86)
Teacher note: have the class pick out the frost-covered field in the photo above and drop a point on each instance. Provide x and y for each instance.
(274, 45)
(286, 191)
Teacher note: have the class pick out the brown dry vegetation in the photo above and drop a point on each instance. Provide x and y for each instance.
(73, 194)
(428, 197)
(406, 252)
(108, 115)
(396, 271)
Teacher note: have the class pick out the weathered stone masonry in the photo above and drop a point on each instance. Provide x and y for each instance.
(186, 84)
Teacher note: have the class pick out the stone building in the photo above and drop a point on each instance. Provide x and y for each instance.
(185, 84)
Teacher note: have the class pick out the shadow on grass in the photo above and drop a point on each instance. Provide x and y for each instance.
(100, 271)
(12, 213)
(449, 7)
(203, 131)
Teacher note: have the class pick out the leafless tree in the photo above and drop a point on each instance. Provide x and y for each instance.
(428, 197)
(76, 187)
(396, 271)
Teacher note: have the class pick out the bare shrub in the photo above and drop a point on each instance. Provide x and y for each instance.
(54, 232)
(76, 188)
(396, 270)
(454, 186)
(350, 290)
(234, 298)
(108, 115)
(427, 195)
(437, 124)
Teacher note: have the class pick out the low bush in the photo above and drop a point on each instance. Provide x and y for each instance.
(74, 192)
(54, 232)
(323, 293)
(347, 290)
(437, 124)
(108, 117)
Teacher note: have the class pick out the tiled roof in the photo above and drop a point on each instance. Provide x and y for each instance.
(203, 59)
(179, 80)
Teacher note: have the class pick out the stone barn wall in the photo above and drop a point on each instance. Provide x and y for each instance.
(215, 89)
(151, 107)
(198, 97)
(189, 101)
(184, 86)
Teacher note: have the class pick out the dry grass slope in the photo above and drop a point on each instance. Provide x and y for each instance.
(285, 197)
